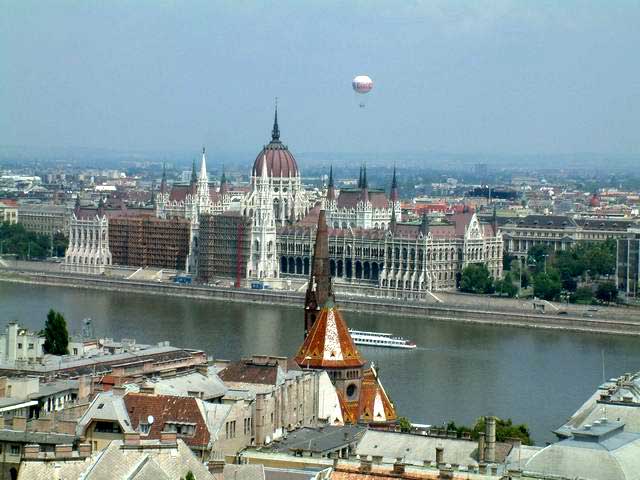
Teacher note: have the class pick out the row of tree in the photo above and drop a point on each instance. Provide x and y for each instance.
(16, 240)
(580, 274)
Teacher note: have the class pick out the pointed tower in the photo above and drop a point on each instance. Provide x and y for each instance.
(360, 178)
(100, 211)
(319, 289)
(193, 183)
(424, 225)
(394, 196)
(393, 223)
(331, 188)
(224, 183)
(77, 206)
(275, 131)
(364, 196)
(163, 182)
(203, 184)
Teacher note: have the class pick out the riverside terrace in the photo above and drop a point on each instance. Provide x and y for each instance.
(140, 360)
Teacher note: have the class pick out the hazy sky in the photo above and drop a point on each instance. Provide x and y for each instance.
(480, 76)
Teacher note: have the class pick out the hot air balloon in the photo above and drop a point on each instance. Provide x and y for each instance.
(362, 84)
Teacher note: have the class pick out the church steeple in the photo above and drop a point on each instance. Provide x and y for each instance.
(360, 178)
(163, 182)
(194, 175)
(394, 187)
(331, 189)
(319, 289)
(275, 132)
(424, 225)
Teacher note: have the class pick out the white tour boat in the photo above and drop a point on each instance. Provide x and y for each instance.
(375, 339)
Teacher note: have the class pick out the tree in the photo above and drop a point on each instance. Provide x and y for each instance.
(505, 429)
(547, 285)
(189, 476)
(583, 295)
(538, 255)
(476, 279)
(405, 424)
(506, 286)
(607, 292)
(56, 334)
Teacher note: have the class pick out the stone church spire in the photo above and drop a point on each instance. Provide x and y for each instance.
(319, 289)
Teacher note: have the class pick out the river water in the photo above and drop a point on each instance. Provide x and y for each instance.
(458, 372)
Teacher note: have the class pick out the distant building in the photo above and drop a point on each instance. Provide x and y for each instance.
(558, 232)
(628, 265)
(8, 212)
(18, 344)
(45, 219)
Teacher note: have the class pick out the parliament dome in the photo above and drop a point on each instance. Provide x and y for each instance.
(279, 160)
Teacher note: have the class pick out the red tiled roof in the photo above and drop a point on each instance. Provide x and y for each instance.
(8, 202)
(164, 409)
(246, 371)
(179, 193)
(329, 343)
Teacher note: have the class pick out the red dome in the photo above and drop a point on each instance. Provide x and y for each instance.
(280, 162)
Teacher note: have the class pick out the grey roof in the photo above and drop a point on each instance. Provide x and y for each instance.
(150, 461)
(319, 440)
(272, 473)
(602, 451)
(244, 472)
(416, 449)
(105, 406)
(7, 435)
(181, 385)
(542, 221)
(51, 388)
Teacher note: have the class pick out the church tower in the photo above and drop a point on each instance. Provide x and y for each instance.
(203, 185)
(319, 288)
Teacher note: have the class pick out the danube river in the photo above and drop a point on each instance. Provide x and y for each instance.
(458, 372)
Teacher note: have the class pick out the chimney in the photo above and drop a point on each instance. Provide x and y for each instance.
(84, 387)
(168, 437)
(132, 438)
(19, 424)
(490, 455)
(84, 450)
(30, 451)
(366, 464)
(216, 466)
(439, 455)
(1, 422)
(398, 466)
(377, 459)
(63, 451)
(481, 447)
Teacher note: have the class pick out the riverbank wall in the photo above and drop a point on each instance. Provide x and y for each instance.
(617, 326)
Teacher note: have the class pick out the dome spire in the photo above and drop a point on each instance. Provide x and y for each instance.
(275, 133)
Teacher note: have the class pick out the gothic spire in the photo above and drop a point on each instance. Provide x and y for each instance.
(424, 225)
(365, 184)
(203, 167)
(392, 223)
(319, 289)
(360, 178)
(331, 189)
(394, 186)
(194, 176)
(163, 182)
(275, 133)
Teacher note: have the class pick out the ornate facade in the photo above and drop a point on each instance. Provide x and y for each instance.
(405, 258)
(88, 250)
(362, 207)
